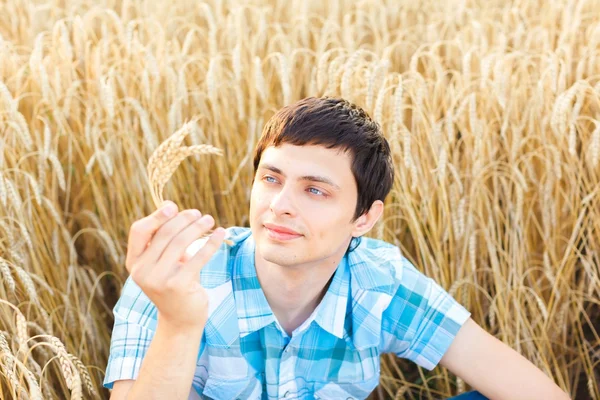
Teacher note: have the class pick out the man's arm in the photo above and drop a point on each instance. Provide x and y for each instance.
(168, 368)
(163, 276)
(496, 370)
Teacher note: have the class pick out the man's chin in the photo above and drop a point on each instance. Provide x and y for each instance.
(277, 255)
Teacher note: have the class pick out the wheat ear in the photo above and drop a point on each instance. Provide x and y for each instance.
(167, 157)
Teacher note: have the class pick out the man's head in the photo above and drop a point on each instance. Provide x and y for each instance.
(322, 169)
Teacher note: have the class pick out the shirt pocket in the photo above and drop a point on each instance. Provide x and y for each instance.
(345, 390)
(218, 388)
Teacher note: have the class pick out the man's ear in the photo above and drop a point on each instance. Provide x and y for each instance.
(365, 222)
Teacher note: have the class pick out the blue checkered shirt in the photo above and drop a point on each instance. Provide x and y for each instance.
(377, 302)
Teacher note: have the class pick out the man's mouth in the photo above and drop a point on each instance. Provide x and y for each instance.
(281, 233)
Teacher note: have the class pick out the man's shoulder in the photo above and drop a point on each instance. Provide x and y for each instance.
(375, 259)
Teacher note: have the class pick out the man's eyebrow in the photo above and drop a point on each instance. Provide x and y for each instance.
(312, 178)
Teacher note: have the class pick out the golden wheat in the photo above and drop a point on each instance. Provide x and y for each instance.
(490, 110)
(167, 157)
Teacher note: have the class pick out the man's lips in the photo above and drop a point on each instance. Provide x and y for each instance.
(281, 229)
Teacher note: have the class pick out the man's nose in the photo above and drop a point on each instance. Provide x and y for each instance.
(283, 202)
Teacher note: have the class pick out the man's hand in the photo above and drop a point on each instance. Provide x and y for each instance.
(496, 370)
(157, 263)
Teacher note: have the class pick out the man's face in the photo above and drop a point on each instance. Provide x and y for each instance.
(309, 190)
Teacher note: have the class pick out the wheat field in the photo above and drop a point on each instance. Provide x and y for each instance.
(491, 108)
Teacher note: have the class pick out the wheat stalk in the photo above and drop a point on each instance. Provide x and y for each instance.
(167, 157)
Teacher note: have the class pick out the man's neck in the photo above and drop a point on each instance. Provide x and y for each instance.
(293, 293)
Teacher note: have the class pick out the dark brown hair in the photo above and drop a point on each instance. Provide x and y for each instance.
(336, 124)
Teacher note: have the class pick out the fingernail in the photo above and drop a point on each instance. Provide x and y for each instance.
(205, 220)
(169, 210)
(196, 213)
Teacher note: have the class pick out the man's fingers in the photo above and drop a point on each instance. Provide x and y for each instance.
(179, 244)
(143, 230)
(192, 268)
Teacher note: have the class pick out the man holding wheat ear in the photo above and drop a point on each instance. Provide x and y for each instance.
(299, 305)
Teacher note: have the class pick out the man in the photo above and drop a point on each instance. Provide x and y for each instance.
(300, 306)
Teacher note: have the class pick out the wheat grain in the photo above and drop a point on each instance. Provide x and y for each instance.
(65, 41)
(6, 275)
(3, 191)
(45, 387)
(151, 63)
(63, 357)
(55, 246)
(595, 145)
(578, 105)
(112, 250)
(377, 73)
(13, 195)
(174, 114)
(166, 158)
(466, 66)
(239, 97)
(460, 384)
(406, 143)
(348, 72)
(82, 369)
(322, 66)
(27, 284)
(106, 164)
(50, 207)
(25, 134)
(146, 85)
(519, 201)
(236, 62)
(34, 392)
(259, 80)
(400, 392)
(379, 102)
(25, 234)
(9, 232)
(9, 103)
(211, 80)
(22, 336)
(541, 305)
(442, 164)
(590, 386)
(473, 252)
(8, 366)
(332, 74)
(45, 83)
(449, 123)
(149, 136)
(398, 103)
(107, 98)
(284, 76)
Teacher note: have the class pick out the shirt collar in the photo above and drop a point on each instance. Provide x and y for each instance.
(330, 314)
(352, 308)
(373, 284)
(253, 310)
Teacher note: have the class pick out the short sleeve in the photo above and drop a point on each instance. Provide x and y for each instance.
(422, 319)
(133, 330)
(136, 316)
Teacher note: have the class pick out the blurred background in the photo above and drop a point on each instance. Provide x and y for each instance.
(492, 110)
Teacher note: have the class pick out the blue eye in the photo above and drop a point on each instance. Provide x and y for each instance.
(316, 191)
(266, 178)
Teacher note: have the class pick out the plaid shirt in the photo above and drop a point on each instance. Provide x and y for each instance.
(377, 302)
